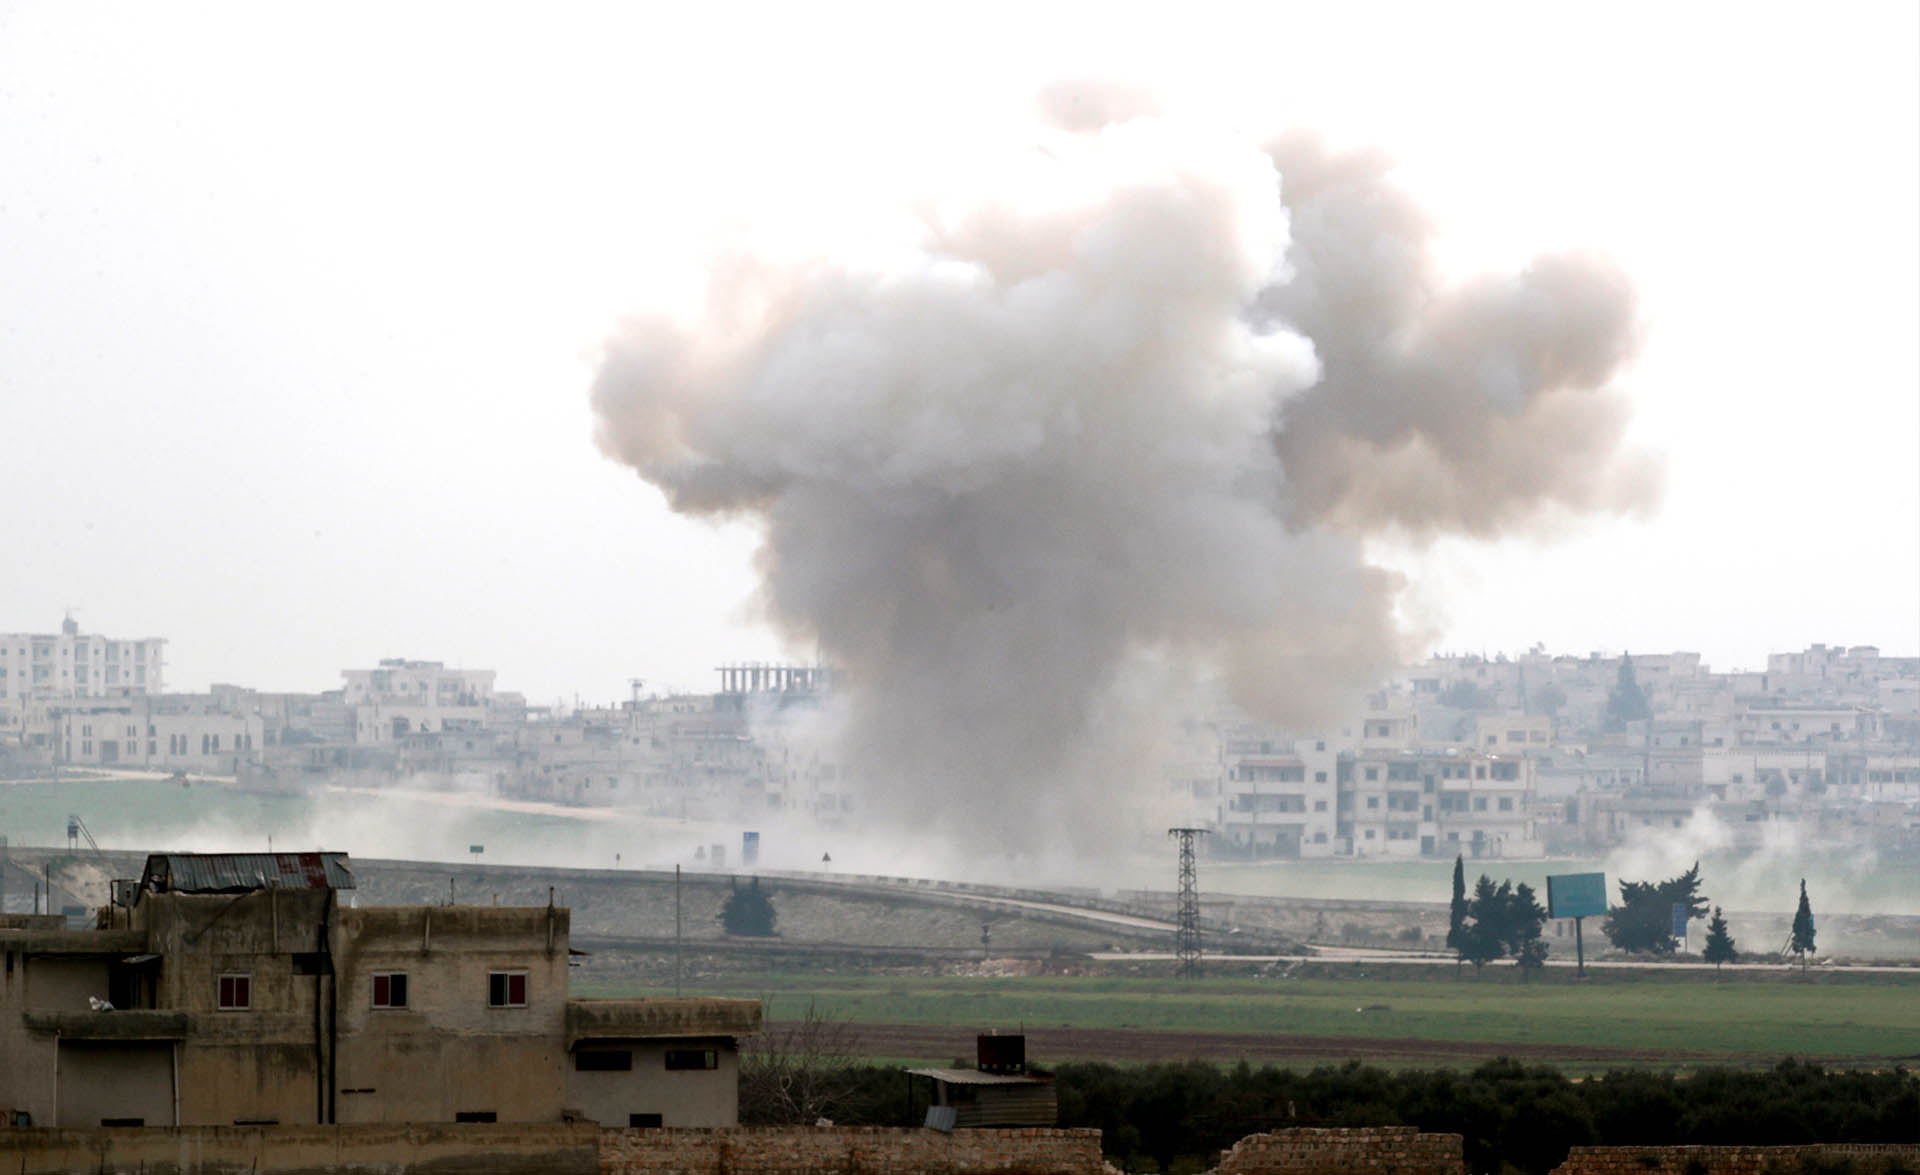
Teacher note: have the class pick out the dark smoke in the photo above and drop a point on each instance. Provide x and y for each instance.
(1083, 434)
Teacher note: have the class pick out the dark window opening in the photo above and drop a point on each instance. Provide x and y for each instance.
(236, 992)
(123, 1121)
(651, 1121)
(476, 1116)
(603, 1061)
(506, 989)
(312, 963)
(390, 989)
(693, 1059)
(256, 1121)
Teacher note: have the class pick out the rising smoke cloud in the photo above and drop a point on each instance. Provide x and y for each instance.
(1127, 409)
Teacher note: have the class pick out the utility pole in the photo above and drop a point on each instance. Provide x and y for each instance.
(1187, 936)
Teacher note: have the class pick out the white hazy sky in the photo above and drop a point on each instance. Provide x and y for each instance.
(298, 304)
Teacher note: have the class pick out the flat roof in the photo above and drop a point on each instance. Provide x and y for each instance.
(976, 1077)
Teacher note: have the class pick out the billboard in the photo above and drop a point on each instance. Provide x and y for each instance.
(1577, 895)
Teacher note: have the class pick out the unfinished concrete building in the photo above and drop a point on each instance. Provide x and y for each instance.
(240, 989)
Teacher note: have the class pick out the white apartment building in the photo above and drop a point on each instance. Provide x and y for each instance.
(1310, 798)
(405, 697)
(75, 664)
(1486, 806)
(1279, 797)
(177, 732)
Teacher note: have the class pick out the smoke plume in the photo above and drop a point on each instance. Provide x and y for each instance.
(1127, 410)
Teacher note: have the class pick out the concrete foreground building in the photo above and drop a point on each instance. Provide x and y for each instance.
(246, 989)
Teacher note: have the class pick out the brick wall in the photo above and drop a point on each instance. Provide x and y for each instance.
(859, 1150)
(1819, 1159)
(1381, 1150)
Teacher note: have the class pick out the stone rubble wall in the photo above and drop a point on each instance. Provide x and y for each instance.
(505, 1149)
(1380, 1150)
(1817, 1159)
(856, 1150)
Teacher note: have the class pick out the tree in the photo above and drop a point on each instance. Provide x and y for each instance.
(1643, 921)
(797, 1073)
(1457, 915)
(1627, 702)
(1502, 920)
(1532, 956)
(1480, 939)
(1802, 939)
(748, 912)
(1719, 948)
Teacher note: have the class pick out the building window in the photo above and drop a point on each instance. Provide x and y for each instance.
(236, 992)
(506, 989)
(1479, 803)
(1373, 801)
(603, 1061)
(1506, 803)
(475, 1116)
(390, 989)
(649, 1121)
(693, 1059)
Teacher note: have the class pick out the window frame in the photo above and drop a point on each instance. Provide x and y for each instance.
(506, 990)
(709, 1060)
(389, 1004)
(233, 991)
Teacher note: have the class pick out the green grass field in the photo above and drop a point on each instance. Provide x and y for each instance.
(1859, 1019)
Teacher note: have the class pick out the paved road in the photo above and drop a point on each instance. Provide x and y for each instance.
(1371, 955)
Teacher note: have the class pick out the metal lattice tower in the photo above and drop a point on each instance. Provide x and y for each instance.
(1187, 918)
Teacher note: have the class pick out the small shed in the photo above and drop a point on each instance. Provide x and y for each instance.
(1002, 1092)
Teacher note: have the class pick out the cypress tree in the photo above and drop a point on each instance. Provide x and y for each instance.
(1802, 940)
(1627, 702)
(1457, 916)
(1719, 948)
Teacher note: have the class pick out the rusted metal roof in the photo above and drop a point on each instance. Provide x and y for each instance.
(242, 872)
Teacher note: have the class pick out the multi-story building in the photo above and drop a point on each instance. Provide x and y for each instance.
(224, 989)
(1307, 798)
(173, 732)
(1279, 798)
(73, 664)
(404, 697)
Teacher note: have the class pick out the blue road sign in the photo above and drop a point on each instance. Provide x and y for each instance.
(1577, 895)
